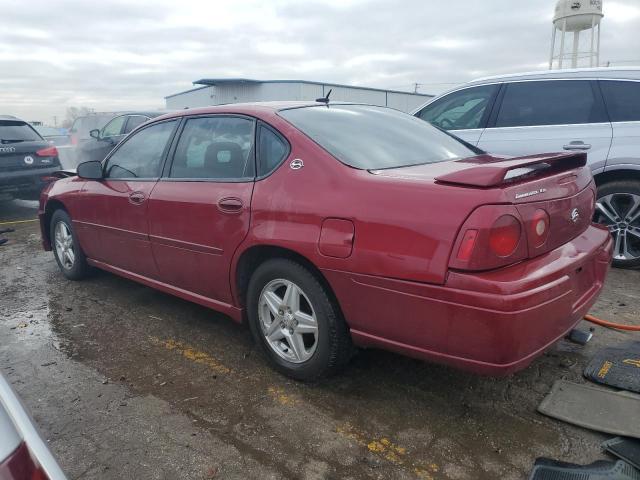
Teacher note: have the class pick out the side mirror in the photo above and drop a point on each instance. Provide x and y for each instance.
(95, 133)
(90, 170)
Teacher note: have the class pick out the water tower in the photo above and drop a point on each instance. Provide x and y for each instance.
(574, 17)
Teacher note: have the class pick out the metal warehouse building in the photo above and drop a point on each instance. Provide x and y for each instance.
(217, 91)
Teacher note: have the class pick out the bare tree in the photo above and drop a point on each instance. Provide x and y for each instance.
(73, 113)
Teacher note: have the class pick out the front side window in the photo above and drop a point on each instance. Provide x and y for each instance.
(219, 147)
(460, 110)
(556, 102)
(272, 149)
(623, 100)
(372, 138)
(114, 127)
(133, 122)
(140, 156)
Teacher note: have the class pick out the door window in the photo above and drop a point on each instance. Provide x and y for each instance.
(141, 154)
(217, 147)
(559, 102)
(460, 110)
(272, 150)
(113, 128)
(133, 122)
(622, 99)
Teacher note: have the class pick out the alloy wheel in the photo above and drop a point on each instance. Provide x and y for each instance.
(64, 245)
(620, 212)
(288, 321)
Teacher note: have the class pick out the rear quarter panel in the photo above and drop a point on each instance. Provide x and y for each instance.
(404, 227)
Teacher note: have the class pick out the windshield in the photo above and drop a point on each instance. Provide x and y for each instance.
(16, 131)
(373, 138)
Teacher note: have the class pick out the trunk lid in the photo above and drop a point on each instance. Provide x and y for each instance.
(557, 187)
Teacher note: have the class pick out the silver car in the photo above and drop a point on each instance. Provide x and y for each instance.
(593, 110)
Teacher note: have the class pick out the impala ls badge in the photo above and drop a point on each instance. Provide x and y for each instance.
(575, 215)
(529, 194)
(296, 164)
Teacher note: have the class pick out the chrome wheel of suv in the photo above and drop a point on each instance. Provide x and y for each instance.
(64, 245)
(620, 212)
(288, 321)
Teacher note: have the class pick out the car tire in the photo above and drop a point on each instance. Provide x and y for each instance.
(618, 207)
(299, 352)
(66, 248)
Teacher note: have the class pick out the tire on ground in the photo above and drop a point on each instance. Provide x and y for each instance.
(334, 347)
(80, 269)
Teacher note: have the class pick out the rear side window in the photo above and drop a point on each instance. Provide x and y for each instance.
(623, 100)
(460, 110)
(16, 131)
(559, 102)
(272, 150)
(141, 154)
(219, 147)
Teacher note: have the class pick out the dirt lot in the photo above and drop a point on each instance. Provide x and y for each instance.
(127, 382)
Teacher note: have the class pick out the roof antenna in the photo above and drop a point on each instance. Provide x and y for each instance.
(325, 100)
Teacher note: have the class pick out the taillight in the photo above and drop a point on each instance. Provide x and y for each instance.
(539, 228)
(505, 235)
(492, 237)
(21, 464)
(47, 152)
(467, 244)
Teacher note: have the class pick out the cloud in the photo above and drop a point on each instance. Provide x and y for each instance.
(124, 55)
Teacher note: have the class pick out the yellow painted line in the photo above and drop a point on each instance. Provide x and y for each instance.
(279, 395)
(386, 449)
(191, 353)
(18, 221)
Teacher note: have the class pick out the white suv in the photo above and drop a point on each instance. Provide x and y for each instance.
(593, 110)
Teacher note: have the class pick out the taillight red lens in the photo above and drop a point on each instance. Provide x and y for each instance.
(505, 235)
(47, 152)
(539, 227)
(21, 464)
(467, 244)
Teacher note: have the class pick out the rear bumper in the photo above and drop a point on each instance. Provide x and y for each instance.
(29, 180)
(490, 323)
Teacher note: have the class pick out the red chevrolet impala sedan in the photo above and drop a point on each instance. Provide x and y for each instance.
(326, 226)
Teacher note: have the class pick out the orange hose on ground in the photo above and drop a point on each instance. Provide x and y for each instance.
(617, 326)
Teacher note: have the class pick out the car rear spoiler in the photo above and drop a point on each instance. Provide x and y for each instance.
(485, 171)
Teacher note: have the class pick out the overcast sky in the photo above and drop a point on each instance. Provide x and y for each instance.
(113, 55)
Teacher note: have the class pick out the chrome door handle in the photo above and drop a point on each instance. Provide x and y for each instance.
(136, 198)
(230, 205)
(577, 145)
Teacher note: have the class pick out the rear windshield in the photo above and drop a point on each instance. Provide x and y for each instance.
(14, 131)
(373, 138)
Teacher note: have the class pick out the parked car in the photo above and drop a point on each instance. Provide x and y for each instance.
(56, 136)
(26, 159)
(104, 139)
(594, 110)
(23, 453)
(332, 225)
